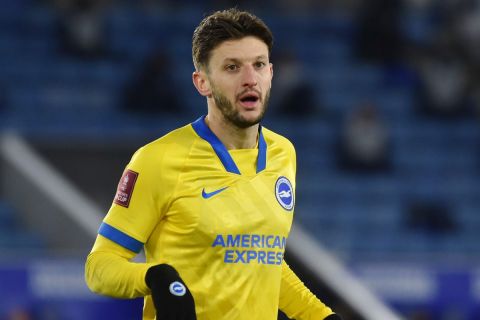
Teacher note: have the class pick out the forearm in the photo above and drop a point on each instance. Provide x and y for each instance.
(297, 301)
(109, 271)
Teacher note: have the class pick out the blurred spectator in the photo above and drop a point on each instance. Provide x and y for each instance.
(430, 216)
(379, 38)
(152, 89)
(294, 95)
(81, 27)
(448, 62)
(443, 82)
(466, 31)
(364, 142)
(463, 21)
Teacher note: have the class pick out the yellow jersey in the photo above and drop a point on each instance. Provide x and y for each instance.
(220, 217)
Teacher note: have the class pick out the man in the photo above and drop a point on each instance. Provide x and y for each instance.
(211, 203)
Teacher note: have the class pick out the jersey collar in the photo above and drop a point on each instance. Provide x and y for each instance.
(206, 134)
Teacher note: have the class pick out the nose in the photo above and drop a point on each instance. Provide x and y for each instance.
(249, 77)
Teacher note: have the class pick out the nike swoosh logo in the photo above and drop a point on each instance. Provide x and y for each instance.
(207, 195)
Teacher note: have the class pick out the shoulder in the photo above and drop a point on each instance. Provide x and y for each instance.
(278, 141)
(173, 145)
(281, 153)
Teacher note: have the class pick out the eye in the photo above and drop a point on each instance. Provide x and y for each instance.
(260, 64)
(231, 67)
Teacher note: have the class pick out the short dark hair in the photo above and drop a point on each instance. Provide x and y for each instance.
(220, 26)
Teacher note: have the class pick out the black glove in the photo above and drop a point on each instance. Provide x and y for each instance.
(171, 297)
(333, 317)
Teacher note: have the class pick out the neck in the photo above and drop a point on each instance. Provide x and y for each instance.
(231, 136)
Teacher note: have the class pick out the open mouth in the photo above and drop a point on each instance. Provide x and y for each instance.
(250, 98)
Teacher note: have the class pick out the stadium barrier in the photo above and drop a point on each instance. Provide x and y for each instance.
(48, 202)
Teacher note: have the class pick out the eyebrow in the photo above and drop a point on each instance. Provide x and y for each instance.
(235, 60)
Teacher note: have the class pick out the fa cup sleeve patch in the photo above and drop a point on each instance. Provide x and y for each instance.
(125, 188)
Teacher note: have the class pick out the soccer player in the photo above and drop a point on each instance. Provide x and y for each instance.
(210, 203)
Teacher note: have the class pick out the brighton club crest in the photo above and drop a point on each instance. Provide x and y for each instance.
(284, 193)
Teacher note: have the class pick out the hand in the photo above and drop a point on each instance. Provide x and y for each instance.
(171, 297)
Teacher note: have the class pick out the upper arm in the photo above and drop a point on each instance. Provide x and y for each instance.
(139, 202)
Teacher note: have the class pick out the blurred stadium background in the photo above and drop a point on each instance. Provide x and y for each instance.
(381, 99)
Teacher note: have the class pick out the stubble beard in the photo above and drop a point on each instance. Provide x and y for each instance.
(232, 115)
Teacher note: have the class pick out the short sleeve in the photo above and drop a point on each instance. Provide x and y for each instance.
(139, 201)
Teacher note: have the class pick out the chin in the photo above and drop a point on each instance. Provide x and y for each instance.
(246, 122)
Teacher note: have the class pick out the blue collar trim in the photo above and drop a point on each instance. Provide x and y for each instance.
(262, 151)
(206, 134)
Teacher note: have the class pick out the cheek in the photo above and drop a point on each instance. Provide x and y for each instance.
(225, 92)
(266, 86)
(220, 83)
(266, 80)
(228, 91)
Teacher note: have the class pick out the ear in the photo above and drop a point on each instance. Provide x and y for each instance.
(271, 74)
(201, 82)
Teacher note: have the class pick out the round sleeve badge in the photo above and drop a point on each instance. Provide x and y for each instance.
(177, 288)
(284, 193)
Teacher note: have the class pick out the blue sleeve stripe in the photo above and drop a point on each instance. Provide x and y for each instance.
(120, 238)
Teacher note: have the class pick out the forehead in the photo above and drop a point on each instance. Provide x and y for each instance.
(244, 49)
